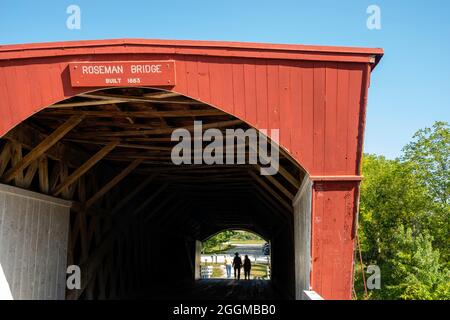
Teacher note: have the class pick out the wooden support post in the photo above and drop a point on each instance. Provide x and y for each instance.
(43, 175)
(90, 265)
(332, 237)
(5, 156)
(113, 182)
(85, 167)
(31, 171)
(16, 157)
(46, 144)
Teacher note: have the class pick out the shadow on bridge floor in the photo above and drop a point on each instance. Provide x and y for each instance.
(217, 289)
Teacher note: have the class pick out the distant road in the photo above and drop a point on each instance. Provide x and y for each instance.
(254, 251)
(243, 249)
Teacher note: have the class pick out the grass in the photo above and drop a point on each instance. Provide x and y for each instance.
(217, 270)
(258, 270)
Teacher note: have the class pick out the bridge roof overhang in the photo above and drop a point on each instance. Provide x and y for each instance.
(193, 47)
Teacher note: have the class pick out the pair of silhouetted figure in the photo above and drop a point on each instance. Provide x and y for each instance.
(237, 264)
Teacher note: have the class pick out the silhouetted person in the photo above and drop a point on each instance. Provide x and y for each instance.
(247, 267)
(237, 264)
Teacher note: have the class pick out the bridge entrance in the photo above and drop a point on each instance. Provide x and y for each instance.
(89, 178)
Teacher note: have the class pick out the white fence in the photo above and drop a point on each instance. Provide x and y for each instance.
(206, 272)
(220, 258)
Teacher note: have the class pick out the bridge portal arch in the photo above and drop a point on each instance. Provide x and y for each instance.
(316, 97)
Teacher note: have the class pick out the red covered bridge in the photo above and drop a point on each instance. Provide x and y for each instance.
(87, 178)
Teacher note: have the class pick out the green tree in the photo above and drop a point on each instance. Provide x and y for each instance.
(429, 156)
(413, 269)
(397, 218)
(391, 195)
(429, 152)
(217, 241)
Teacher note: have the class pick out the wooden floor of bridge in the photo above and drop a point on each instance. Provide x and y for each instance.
(217, 289)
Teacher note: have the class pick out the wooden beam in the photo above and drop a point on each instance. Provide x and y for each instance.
(269, 201)
(5, 156)
(122, 145)
(172, 212)
(139, 99)
(281, 170)
(43, 175)
(30, 137)
(132, 194)
(79, 207)
(85, 103)
(46, 144)
(90, 265)
(150, 199)
(16, 157)
(111, 184)
(161, 205)
(289, 177)
(29, 176)
(161, 95)
(85, 167)
(261, 182)
(280, 187)
(220, 124)
(139, 114)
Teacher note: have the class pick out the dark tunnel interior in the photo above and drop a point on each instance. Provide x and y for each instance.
(139, 239)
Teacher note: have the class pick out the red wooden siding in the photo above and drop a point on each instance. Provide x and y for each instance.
(333, 215)
(314, 95)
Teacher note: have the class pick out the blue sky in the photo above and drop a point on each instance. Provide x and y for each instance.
(410, 88)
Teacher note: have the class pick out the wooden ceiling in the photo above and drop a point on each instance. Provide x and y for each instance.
(140, 123)
(129, 132)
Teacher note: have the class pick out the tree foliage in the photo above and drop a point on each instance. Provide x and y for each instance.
(404, 218)
(217, 242)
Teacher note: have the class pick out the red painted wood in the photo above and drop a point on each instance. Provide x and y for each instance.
(307, 117)
(331, 112)
(262, 120)
(333, 216)
(316, 96)
(250, 93)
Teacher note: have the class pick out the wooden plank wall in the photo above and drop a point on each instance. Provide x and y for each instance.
(302, 238)
(33, 243)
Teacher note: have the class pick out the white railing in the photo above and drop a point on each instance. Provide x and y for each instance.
(311, 295)
(206, 272)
